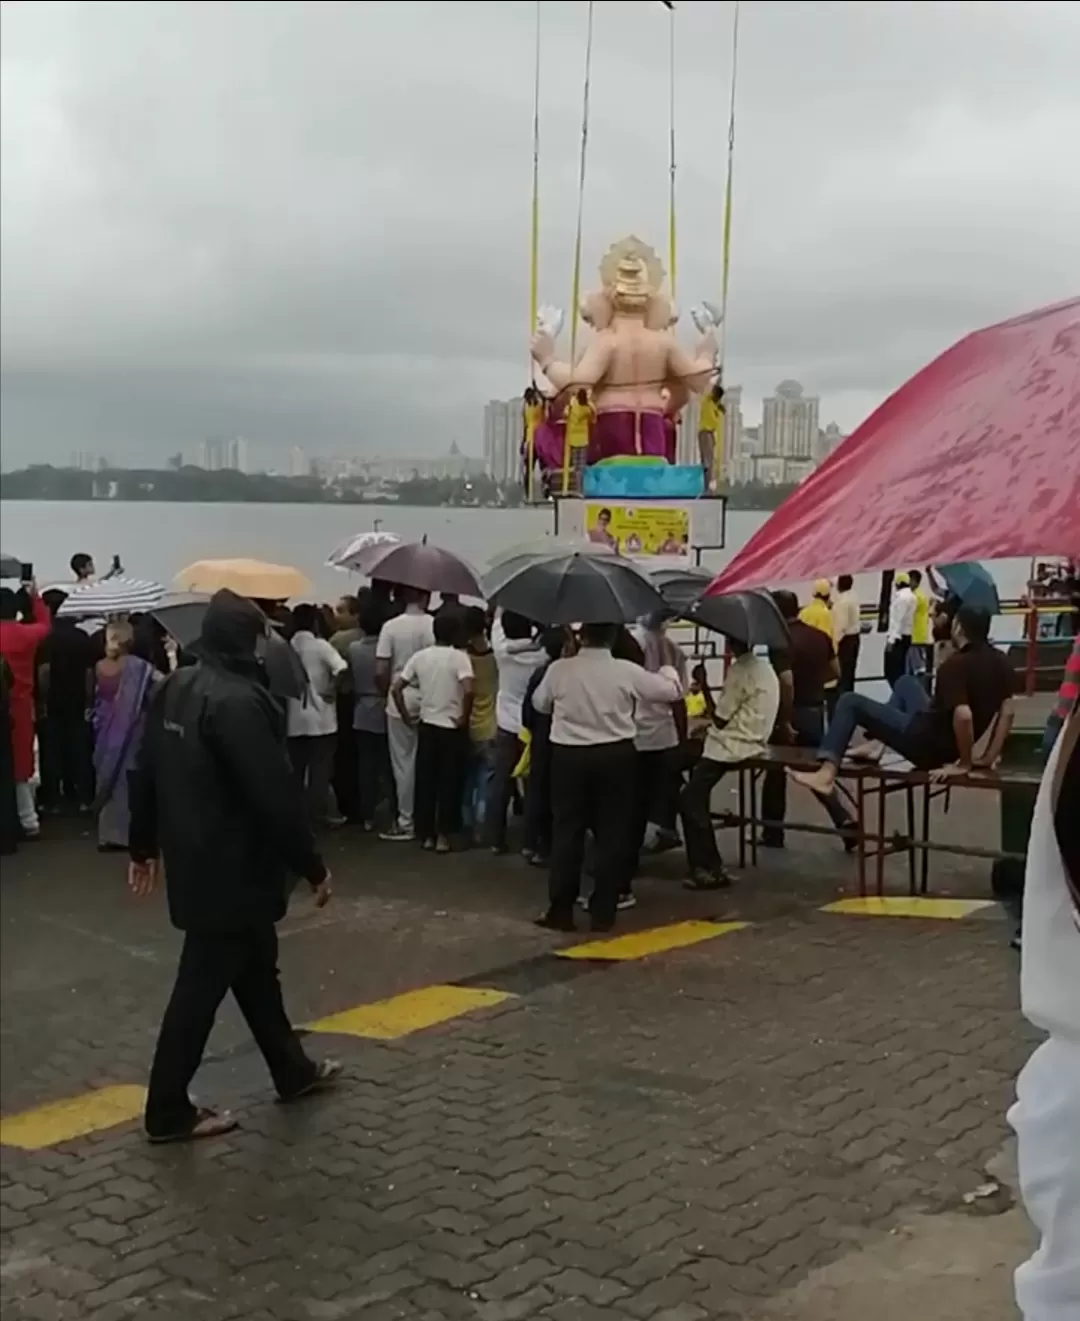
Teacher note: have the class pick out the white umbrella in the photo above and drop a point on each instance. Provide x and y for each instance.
(112, 596)
(351, 555)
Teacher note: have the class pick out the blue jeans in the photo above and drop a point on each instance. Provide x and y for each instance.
(886, 721)
(479, 773)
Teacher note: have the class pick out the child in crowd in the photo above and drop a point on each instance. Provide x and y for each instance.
(443, 677)
(374, 780)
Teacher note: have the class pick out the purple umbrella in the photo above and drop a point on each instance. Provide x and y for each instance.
(427, 568)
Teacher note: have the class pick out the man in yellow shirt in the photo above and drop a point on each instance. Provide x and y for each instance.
(920, 628)
(579, 419)
(711, 434)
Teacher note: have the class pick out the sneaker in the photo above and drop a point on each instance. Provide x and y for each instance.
(398, 834)
(705, 880)
(626, 901)
(583, 901)
(327, 1072)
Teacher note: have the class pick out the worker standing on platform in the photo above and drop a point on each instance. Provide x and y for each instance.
(579, 419)
(711, 435)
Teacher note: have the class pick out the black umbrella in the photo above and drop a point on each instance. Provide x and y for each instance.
(748, 617)
(427, 568)
(10, 566)
(182, 615)
(575, 588)
(680, 588)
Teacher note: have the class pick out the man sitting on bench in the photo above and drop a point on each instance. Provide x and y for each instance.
(973, 691)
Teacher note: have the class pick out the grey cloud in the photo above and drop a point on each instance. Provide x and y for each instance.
(309, 222)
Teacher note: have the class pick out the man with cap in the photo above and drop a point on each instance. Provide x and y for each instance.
(901, 627)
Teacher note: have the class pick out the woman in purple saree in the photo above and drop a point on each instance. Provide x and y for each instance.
(122, 684)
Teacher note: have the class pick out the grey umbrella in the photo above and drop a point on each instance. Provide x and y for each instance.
(680, 588)
(10, 566)
(427, 568)
(748, 617)
(577, 588)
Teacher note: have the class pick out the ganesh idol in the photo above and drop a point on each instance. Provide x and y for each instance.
(638, 375)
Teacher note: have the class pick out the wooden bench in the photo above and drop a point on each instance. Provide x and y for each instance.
(868, 785)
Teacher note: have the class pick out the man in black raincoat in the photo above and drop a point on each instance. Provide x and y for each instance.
(214, 798)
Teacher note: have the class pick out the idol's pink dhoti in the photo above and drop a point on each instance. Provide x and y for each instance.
(618, 432)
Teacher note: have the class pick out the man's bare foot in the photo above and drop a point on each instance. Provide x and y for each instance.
(871, 750)
(820, 781)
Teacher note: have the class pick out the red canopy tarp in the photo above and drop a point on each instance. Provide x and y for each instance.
(975, 458)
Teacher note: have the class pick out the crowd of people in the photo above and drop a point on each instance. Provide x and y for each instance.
(436, 722)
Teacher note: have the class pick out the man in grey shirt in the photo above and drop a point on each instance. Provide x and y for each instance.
(374, 780)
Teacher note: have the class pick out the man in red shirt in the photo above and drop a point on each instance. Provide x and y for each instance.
(18, 645)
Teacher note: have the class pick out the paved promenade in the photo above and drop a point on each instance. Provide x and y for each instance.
(740, 1107)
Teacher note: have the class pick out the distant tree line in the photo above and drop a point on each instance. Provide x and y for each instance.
(191, 485)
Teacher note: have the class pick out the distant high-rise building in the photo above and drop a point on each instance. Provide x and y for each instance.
(299, 463)
(503, 427)
(237, 458)
(212, 454)
(789, 422)
(827, 441)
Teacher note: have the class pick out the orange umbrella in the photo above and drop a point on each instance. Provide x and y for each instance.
(252, 578)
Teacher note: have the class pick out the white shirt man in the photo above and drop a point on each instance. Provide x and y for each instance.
(401, 638)
(442, 676)
(901, 610)
(315, 714)
(592, 698)
(846, 619)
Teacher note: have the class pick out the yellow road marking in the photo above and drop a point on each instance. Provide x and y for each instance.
(61, 1121)
(898, 906)
(640, 944)
(386, 1020)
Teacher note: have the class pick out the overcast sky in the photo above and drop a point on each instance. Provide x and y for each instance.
(308, 223)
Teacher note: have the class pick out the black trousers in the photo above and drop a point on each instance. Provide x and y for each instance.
(695, 802)
(847, 653)
(656, 796)
(592, 788)
(809, 725)
(896, 659)
(312, 757)
(440, 780)
(346, 789)
(211, 965)
(67, 769)
(374, 775)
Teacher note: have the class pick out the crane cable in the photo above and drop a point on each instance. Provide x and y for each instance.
(575, 283)
(534, 253)
(575, 286)
(726, 266)
(671, 135)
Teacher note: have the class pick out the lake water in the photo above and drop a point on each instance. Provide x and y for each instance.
(157, 540)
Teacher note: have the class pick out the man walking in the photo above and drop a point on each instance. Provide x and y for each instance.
(214, 798)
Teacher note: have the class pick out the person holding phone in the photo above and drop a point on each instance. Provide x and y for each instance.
(19, 642)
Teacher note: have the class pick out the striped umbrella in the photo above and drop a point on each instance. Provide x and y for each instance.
(112, 596)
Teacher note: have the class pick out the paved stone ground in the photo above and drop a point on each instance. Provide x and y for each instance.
(680, 1138)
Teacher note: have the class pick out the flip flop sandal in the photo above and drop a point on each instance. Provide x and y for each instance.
(206, 1124)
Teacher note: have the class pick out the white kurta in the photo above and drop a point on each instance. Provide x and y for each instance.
(1046, 1115)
